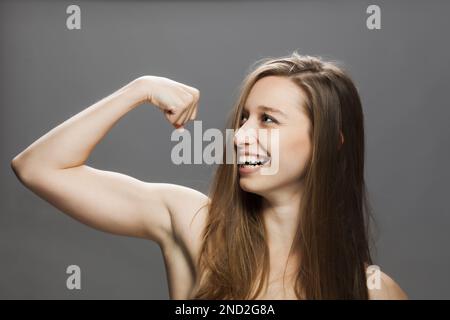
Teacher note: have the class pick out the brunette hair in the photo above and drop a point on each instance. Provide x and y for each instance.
(333, 232)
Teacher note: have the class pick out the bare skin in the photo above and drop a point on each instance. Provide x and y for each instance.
(54, 168)
(282, 192)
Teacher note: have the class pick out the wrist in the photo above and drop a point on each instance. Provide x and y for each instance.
(141, 89)
(134, 93)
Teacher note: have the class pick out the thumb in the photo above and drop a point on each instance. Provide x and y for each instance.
(172, 116)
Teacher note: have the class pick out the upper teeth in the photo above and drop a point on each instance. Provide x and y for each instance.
(253, 160)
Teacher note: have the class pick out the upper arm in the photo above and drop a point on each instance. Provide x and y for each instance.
(109, 201)
(388, 289)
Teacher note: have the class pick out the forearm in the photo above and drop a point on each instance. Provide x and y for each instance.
(70, 143)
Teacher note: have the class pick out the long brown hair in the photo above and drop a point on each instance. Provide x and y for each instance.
(333, 229)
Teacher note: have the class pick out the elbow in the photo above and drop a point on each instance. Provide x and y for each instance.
(21, 169)
(15, 164)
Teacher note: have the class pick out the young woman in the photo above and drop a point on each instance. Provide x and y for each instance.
(298, 234)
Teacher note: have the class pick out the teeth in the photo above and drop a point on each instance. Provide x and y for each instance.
(249, 159)
(253, 161)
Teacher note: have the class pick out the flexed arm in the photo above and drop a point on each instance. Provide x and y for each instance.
(54, 168)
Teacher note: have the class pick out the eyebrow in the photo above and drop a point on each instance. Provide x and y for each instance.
(269, 109)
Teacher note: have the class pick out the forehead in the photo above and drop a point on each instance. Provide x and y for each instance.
(275, 91)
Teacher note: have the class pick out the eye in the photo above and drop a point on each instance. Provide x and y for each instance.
(266, 117)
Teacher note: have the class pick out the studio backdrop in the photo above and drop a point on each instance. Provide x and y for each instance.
(59, 57)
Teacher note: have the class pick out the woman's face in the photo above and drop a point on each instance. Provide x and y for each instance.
(274, 104)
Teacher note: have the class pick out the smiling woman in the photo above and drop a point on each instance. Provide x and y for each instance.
(308, 223)
(304, 224)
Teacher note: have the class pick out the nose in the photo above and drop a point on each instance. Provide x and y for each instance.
(246, 135)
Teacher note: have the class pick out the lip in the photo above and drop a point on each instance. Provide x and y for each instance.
(246, 156)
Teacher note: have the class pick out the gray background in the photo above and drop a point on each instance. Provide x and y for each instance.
(49, 73)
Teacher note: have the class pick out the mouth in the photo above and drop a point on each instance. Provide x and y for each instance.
(252, 164)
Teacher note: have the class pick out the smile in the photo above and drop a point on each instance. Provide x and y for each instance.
(253, 161)
(252, 165)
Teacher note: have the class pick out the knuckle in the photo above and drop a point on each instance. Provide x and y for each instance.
(196, 92)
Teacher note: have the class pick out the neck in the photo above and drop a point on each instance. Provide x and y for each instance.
(281, 212)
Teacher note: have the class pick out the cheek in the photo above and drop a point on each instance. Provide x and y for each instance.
(295, 151)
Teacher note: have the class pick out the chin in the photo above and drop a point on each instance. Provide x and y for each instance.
(253, 185)
(247, 184)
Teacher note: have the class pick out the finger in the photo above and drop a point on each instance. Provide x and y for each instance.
(194, 113)
(185, 116)
(179, 127)
(190, 108)
(181, 119)
(191, 111)
(178, 121)
(196, 94)
(172, 114)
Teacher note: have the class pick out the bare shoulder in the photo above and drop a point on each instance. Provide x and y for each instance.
(385, 288)
(188, 211)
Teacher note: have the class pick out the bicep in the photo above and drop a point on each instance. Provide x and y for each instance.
(108, 201)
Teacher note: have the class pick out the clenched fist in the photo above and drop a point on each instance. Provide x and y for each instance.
(178, 101)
